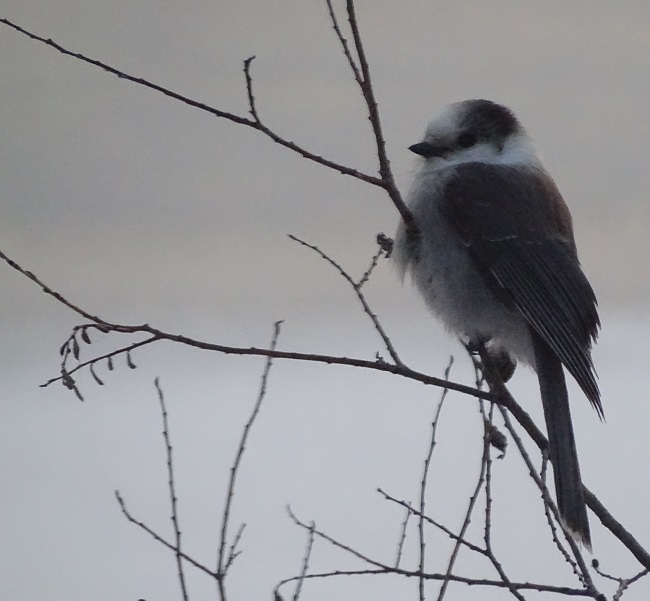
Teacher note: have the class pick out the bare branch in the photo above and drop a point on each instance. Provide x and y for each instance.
(487, 422)
(305, 562)
(381, 568)
(468, 518)
(373, 263)
(254, 123)
(338, 544)
(616, 528)
(233, 552)
(402, 537)
(58, 297)
(525, 421)
(559, 590)
(344, 44)
(357, 289)
(623, 583)
(431, 521)
(425, 475)
(249, 88)
(225, 560)
(552, 518)
(158, 335)
(159, 538)
(365, 85)
(503, 398)
(496, 384)
(107, 356)
(172, 491)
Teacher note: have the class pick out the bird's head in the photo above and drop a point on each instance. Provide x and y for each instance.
(475, 131)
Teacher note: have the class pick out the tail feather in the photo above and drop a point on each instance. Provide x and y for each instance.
(562, 446)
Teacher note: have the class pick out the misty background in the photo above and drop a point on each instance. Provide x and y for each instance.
(141, 209)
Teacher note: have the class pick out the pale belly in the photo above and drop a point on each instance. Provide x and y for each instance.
(455, 292)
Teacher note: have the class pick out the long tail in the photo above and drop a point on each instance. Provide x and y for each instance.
(562, 445)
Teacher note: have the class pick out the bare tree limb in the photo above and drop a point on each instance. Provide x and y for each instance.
(487, 536)
(503, 398)
(225, 559)
(335, 543)
(614, 526)
(531, 586)
(623, 583)
(467, 520)
(365, 85)
(425, 476)
(431, 521)
(160, 539)
(579, 567)
(361, 72)
(172, 491)
(254, 123)
(402, 536)
(158, 335)
(305, 562)
(552, 518)
(356, 286)
(344, 44)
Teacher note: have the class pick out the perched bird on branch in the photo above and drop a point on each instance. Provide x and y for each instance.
(496, 262)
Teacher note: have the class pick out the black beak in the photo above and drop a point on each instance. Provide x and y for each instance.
(427, 150)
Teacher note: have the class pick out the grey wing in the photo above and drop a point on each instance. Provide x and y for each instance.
(505, 221)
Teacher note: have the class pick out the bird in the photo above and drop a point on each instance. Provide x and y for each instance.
(494, 258)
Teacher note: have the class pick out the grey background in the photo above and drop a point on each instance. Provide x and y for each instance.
(139, 208)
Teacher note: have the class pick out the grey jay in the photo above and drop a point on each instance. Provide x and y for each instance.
(496, 262)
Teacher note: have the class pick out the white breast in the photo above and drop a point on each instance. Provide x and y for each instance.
(445, 274)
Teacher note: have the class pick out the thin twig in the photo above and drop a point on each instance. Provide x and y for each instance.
(344, 43)
(425, 475)
(623, 583)
(365, 85)
(551, 518)
(252, 107)
(336, 543)
(505, 401)
(224, 560)
(487, 537)
(356, 286)
(373, 263)
(402, 537)
(496, 385)
(361, 72)
(467, 520)
(384, 569)
(53, 293)
(431, 521)
(95, 360)
(172, 491)
(305, 562)
(578, 566)
(159, 538)
(233, 550)
(531, 586)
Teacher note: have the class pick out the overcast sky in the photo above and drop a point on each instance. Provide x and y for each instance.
(141, 209)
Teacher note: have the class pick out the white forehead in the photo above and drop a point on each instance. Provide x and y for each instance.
(447, 123)
(493, 122)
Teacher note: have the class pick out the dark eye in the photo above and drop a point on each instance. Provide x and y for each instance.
(466, 140)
